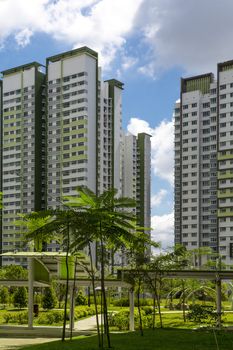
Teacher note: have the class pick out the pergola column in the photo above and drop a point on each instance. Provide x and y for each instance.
(131, 309)
(30, 291)
(218, 300)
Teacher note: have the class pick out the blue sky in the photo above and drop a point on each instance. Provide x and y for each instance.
(147, 44)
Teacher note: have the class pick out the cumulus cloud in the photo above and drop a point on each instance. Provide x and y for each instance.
(103, 25)
(190, 34)
(157, 198)
(163, 229)
(162, 145)
(23, 37)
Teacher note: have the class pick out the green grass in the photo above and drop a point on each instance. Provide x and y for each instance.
(160, 339)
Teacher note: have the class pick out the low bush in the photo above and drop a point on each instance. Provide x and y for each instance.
(51, 317)
(148, 310)
(120, 320)
(125, 302)
(202, 314)
(15, 317)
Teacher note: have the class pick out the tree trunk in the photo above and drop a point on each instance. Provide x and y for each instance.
(153, 321)
(105, 308)
(139, 308)
(94, 295)
(67, 283)
(72, 301)
(183, 301)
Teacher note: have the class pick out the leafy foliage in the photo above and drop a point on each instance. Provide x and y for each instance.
(202, 314)
(20, 297)
(81, 299)
(4, 295)
(49, 300)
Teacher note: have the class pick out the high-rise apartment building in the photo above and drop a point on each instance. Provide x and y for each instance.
(84, 126)
(60, 129)
(23, 148)
(204, 163)
(136, 175)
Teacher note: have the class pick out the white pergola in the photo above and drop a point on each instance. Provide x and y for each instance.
(42, 266)
(215, 275)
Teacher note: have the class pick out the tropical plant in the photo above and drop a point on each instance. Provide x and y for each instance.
(49, 299)
(4, 295)
(109, 224)
(20, 297)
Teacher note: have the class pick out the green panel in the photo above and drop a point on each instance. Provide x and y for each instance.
(82, 156)
(6, 121)
(7, 137)
(74, 132)
(78, 148)
(225, 156)
(227, 67)
(81, 139)
(200, 83)
(11, 128)
(227, 212)
(225, 193)
(78, 122)
(62, 267)
(225, 174)
(41, 274)
(12, 112)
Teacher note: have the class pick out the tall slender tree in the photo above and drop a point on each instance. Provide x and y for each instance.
(111, 224)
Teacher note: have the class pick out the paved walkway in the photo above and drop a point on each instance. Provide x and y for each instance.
(87, 324)
(15, 343)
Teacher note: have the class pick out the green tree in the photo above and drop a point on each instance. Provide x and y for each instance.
(4, 295)
(20, 297)
(109, 224)
(14, 272)
(49, 299)
(81, 299)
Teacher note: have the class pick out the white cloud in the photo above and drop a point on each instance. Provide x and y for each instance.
(163, 229)
(157, 198)
(23, 37)
(103, 25)
(162, 145)
(192, 34)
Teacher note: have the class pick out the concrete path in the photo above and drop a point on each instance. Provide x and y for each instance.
(15, 343)
(88, 324)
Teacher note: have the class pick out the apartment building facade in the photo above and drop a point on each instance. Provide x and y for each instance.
(203, 163)
(136, 177)
(23, 149)
(61, 128)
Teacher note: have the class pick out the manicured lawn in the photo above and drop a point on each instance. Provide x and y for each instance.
(165, 339)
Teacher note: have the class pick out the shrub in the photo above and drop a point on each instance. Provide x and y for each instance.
(20, 297)
(4, 295)
(49, 300)
(15, 317)
(202, 314)
(81, 299)
(51, 317)
(121, 302)
(148, 310)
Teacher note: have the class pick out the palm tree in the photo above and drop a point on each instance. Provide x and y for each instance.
(111, 223)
